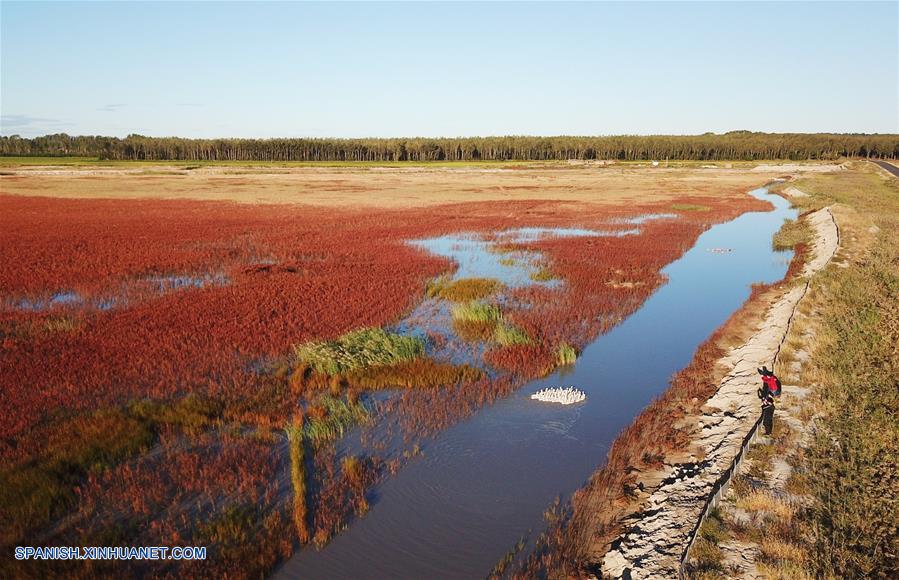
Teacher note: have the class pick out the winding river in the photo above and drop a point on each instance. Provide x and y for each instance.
(485, 482)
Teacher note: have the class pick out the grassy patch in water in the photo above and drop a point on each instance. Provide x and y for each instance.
(689, 207)
(477, 321)
(418, 373)
(567, 354)
(329, 417)
(464, 289)
(359, 349)
(543, 275)
(295, 441)
(508, 335)
(476, 312)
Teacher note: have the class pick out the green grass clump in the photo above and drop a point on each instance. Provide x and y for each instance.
(295, 434)
(508, 261)
(543, 275)
(463, 290)
(359, 349)
(567, 354)
(330, 417)
(476, 312)
(689, 207)
(791, 234)
(61, 324)
(420, 373)
(508, 335)
(193, 413)
(476, 321)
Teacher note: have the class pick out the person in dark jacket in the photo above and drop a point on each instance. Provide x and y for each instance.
(770, 389)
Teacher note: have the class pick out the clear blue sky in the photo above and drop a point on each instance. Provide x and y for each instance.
(428, 69)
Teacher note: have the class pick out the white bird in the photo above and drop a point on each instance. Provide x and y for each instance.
(561, 395)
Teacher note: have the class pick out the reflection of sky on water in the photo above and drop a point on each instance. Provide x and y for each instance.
(157, 284)
(476, 257)
(642, 219)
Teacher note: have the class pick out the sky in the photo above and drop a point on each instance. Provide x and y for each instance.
(375, 69)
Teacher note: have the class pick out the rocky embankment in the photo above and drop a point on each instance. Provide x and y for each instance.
(658, 536)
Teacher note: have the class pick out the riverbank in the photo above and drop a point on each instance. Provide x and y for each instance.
(620, 514)
(659, 535)
(821, 498)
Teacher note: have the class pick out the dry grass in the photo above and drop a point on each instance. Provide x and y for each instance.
(761, 457)
(783, 571)
(777, 551)
(850, 470)
(767, 506)
(706, 558)
(382, 187)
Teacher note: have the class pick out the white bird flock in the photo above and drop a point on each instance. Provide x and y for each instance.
(561, 395)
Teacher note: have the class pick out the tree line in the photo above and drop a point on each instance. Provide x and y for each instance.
(736, 145)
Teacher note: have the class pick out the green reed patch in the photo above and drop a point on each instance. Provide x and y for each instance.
(476, 312)
(330, 417)
(295, 436)
(193, 413)
(464, 289)
(566, 354)
(359, 349)
(543, 275)
(419, 373)
(508, 335)
(689, 207)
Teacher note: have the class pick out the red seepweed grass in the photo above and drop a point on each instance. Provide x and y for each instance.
(241, 285)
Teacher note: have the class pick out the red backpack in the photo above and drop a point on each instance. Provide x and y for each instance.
(773, 384)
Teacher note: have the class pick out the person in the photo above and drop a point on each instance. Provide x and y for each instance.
(770, 389)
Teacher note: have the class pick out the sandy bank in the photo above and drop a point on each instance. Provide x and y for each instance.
(657, 537)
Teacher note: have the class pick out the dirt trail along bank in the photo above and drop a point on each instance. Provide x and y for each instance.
(659, 535)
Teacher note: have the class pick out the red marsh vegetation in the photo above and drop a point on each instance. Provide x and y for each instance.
(145, 348)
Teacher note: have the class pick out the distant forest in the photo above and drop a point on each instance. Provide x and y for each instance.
(736, 145)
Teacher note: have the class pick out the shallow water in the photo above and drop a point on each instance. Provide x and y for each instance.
(485, 482)
(156, 284)
(477, 257)
(642, 219)
(63, 298)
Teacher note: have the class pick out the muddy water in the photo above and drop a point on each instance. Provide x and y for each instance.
(483, 483)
